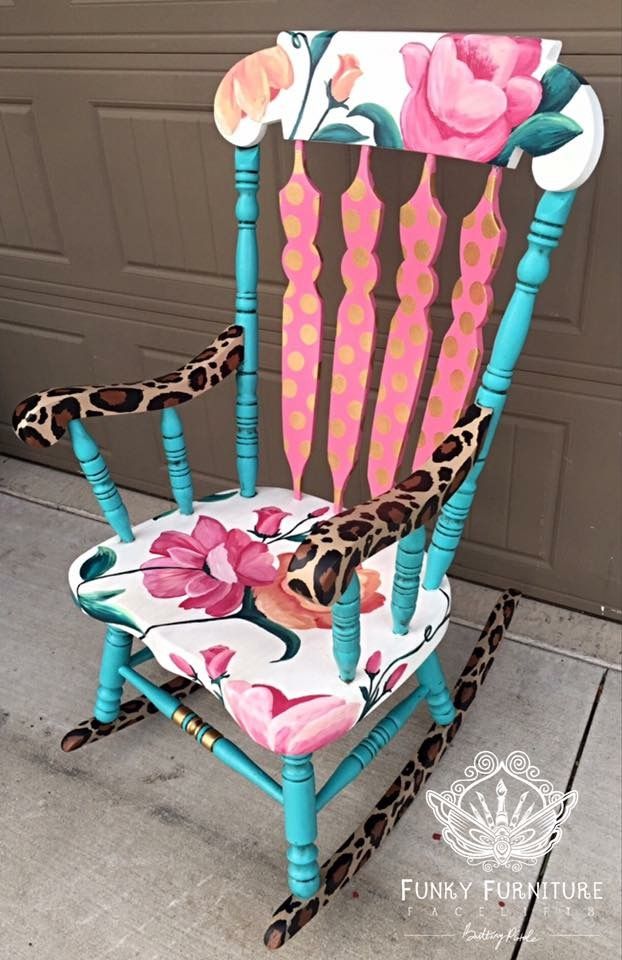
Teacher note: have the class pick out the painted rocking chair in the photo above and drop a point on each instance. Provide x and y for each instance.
(300, 615)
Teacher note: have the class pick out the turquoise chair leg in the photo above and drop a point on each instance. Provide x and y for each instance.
(430, 674)
(408, 564)
(303, 869)
(116, 653)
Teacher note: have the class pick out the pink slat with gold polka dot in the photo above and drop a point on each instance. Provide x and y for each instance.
(302, 316)
(361, 212)
(482, 240)
(422, 228)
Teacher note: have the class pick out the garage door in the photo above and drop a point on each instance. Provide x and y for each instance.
(116, 258)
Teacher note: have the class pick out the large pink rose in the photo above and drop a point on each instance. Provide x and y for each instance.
(210, 567)
(468, 93)
(294, 727)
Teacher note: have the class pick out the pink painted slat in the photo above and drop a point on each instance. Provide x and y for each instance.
(361, 213)
(482, 240)
(299, 202)
(422, 229)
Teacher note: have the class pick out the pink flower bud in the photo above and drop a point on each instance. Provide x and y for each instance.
(373, 664)
(217, 660)
(183, 665)
(345, 76)
(269, 521)
(319, 512)
(395, 677)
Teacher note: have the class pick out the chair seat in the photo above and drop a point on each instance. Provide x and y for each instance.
(206, 593)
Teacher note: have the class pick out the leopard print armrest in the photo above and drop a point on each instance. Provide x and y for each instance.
(42, 419)
(323, 565)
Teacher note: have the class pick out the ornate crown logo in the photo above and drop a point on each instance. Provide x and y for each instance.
(510, 837)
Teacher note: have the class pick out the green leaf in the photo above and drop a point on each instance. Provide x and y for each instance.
(339, 133)
(93, 604)
(298, 537)
(99, 563)
(211, 497)
(559, 85)
(386, 130)
(364, 693)
(542, 133)
(318, 46)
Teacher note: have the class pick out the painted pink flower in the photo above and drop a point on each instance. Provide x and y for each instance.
(269, 521)
(183, 665)
(296, 726)
(217, 660)
(319, 512)
(373, 663)
(249, 86)
(395, 677)
(209, 567)
(468, 93)
(345, 76)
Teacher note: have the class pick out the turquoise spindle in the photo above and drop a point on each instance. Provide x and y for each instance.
(177, 459)
(303, 870)
(406, 579)
(246, 274)
(104, 488)
(347, 630)
(430, 675)
(545, 233)
(116, 654)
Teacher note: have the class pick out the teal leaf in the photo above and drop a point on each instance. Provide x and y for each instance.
(318, 46)
(98, 563)
(212, 497)
(298, 537)
(559, 85)
(339, 133)
(94, 605)
(364, 693)
(542, 133)
(386, 130)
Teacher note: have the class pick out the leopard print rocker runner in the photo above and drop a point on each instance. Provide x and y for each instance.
(294, 914)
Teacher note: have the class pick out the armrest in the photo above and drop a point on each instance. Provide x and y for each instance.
(324, 563)
(42, 419)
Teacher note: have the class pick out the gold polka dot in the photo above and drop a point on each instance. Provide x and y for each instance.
(421, 442)
(351, 220)
(284, 338)
(297, 420)
(416, 334)
(408, 216)
(382, 477)
(417, 365)
(290, 292)
(294, 193)
(305, 448)
(356, 314)
(365, 341)
(374, 219)
(310, 402)
(293, 259)
(363, 377)
(491, 184)
(456, 380)
(490, 227)
(348, 283)
(288, 314)
(466, 322)
(400, 274)
(435, 406)
(339, 384)
(355, 408)
(382, 393)
(425, 283)
(292, 226)
(290, 387)
(357, 189)
(450, 346)
(468, 222)
(376, 450)
(434, 217)
(399, 382)
(295, 360)
(471, 253)
(472, 358)
(333, 460)
(477, 292)
(397, 347)
(316, 204)
(337, 428)
(436, 378)
(422, 250)
(496, 258)
(346, 354)
(457, 290)
(383, 423)
(360, 257)
(338, 329)
(401, 412)
(308, 333)
(438, 438)
(309, 303)
(408, 304)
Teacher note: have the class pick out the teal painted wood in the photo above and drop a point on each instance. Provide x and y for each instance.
(246, 275)
(405, 590)
(224, 749)
(347, 630)
(141, 656)
(369, 747)
(544, 235)
(96, 472)
(430, 675)
(115, 655)
(303, 869)
(177, 459)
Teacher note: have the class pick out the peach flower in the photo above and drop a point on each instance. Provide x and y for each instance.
(249, 86)
(345, 76)
(279, 603)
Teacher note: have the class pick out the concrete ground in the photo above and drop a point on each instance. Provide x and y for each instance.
(143, 846)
